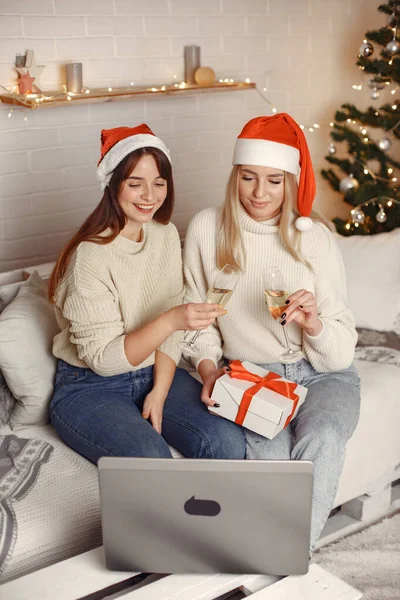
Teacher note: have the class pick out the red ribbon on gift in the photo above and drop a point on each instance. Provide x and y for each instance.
(272, 381)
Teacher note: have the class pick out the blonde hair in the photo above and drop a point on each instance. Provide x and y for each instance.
(230, 245)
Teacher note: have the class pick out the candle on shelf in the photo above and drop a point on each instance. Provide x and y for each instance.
(74, 77)
(192, 63)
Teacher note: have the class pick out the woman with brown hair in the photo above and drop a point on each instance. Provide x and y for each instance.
(117, 288)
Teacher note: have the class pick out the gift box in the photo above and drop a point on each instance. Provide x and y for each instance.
(258, 399)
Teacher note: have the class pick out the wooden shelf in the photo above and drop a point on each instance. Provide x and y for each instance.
(43, 99)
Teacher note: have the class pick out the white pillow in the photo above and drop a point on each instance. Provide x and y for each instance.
(27, 327)
(8, 293)
(372, 264)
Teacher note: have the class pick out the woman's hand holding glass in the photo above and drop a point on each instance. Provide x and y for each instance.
(219, 291)
(194, 316)
(302, 309)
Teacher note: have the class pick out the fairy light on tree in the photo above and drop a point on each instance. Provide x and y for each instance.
(367, 176)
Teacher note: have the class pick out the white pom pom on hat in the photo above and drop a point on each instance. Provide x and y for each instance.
(118, 142)
(303, 223)
(278, 141)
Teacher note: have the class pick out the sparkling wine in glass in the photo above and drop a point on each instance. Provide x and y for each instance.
(275, 298)
(218, 293)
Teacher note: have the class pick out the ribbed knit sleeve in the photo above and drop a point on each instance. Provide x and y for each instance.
(198, 245)
(96, 327)
(177, 291)
(333, 348)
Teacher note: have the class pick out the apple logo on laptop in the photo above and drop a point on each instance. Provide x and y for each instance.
(205, 508)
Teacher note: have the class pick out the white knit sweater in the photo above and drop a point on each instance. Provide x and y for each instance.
(113, 289)
(248, 331)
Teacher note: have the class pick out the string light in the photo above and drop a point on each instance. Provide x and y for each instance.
(370, 172)
(358, 216)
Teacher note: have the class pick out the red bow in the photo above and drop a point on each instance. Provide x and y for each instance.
(285, 388)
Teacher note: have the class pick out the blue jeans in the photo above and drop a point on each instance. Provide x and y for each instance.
(323, 425)
(101, 416)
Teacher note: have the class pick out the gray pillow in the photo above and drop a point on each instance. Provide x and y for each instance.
(7, 402)
(383, 339)
(378, 346)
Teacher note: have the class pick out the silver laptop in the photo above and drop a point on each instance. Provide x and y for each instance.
(206, 516)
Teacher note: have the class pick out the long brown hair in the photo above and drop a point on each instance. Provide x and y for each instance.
(108, 214)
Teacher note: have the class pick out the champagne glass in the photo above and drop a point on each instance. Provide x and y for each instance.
(275, 298)
(219, 293)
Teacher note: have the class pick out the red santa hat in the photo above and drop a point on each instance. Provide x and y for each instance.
(279, 142)
(119, 142)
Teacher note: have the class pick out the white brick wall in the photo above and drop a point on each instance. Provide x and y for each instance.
(302, 51)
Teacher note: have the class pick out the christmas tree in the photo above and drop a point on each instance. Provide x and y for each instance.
(368, 176)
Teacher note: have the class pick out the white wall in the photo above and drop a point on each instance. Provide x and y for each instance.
(302, 51)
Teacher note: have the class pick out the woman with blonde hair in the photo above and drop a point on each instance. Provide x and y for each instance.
(267, 223)
(117, 288)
